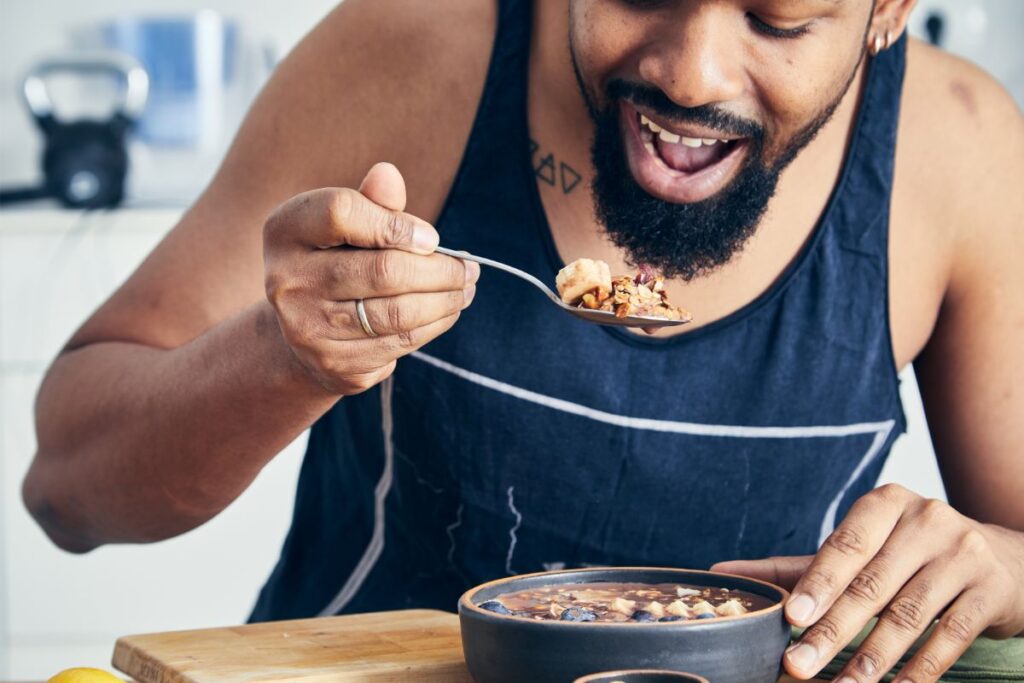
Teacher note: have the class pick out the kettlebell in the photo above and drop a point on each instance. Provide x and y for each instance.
(85, 162)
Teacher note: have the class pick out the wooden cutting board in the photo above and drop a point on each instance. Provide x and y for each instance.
(412, 646)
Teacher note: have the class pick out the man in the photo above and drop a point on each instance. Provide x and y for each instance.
(830, 201)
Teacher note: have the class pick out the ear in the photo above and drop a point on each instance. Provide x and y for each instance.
(888, 22)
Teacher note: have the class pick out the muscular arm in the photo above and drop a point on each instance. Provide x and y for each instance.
(170, 399)
(970, 372)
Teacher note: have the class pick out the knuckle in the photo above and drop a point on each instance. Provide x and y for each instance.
(973, 543)
(408, 339)
(396, 230)
(868, 662)
(397, 318)
(455, 272)
(907, 612)
(893, 492)
(275, 286)
(826, 631)
(866, 587)
(848, 540)
(386, 268)
(958, 627)
(933, 511)
(344, 318)
(929, 665)
(340, 205)
(820, 581)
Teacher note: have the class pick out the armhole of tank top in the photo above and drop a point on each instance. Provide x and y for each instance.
(486, 95)
(890, 350)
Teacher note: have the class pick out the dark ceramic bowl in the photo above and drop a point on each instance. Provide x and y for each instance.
(641, 676)
(508, 649)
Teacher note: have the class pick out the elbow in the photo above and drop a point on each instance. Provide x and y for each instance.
(41, 503)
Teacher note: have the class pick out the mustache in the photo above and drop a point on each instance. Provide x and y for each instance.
(707, 115)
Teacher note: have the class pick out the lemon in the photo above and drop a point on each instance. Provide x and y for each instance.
(85, 675)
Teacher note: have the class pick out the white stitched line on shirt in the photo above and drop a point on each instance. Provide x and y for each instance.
(672, 426)
(450, 530)
(376, 546)
(512, 531)
(829, 523)
(881, 430)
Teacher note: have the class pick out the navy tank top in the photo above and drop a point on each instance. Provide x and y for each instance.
(525, 440)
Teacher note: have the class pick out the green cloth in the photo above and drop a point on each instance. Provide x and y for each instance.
(986, 660)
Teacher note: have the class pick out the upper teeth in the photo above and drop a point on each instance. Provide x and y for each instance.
(674, 138)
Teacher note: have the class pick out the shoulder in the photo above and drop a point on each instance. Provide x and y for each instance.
(957, 215)
(960, 155)
(376, 80)
(961, 139)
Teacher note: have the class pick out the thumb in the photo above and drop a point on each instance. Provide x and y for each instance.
(384, 185)
(782, 571)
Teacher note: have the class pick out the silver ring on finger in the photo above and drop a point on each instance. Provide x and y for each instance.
(364, 322)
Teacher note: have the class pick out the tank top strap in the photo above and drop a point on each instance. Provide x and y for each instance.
(860, 219)
(494, 179)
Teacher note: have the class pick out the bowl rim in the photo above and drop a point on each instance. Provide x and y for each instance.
(590, 678)
(466, 603)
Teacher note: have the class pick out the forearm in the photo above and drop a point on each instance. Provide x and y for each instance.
(140, 444)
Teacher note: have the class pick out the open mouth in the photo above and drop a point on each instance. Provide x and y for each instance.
(679, 163)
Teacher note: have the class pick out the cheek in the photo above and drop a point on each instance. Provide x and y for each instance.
(794, 85)
(604, 38)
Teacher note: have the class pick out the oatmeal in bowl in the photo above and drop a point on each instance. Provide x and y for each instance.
(553, 627)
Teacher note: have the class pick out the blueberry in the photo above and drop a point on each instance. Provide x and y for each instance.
(643, 615)
(494, 606)
(577, 614)
(673, 617)
(706, 615)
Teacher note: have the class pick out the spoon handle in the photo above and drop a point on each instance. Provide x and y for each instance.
(465, 256)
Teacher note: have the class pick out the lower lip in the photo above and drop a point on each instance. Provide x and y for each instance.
(659, 180)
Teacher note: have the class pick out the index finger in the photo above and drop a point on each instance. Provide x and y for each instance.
(842, 556)
(335, 217)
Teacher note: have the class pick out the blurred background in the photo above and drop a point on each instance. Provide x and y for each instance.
(187, 70)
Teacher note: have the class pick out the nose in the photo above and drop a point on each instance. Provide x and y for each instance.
(694, 57)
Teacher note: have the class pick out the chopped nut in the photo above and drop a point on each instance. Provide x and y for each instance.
(731, 608)
(703, 606)
(655, 608)
(623, 606)
(555, 610)
(686, 592)
(678, 608)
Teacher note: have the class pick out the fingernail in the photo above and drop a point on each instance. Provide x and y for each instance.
(424, 238)
(803, 657)
(800, 608)
(467, 294)
(472, 272)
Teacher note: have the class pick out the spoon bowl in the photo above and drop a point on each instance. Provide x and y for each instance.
(594, 316)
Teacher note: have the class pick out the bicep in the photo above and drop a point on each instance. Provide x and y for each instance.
(971, 374)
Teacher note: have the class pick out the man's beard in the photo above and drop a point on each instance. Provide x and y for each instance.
(685, 240)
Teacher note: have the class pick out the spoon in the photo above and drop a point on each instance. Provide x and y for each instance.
(600, 317)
